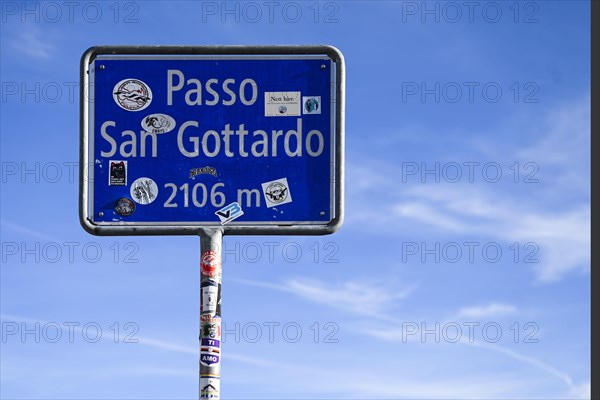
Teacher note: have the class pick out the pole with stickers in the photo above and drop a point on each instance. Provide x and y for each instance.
(211, 241)
(212, 141)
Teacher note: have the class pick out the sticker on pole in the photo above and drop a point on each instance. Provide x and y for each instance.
(210, 264)
(209, 296)
(246, 139)
(210, 344)
(209, 387)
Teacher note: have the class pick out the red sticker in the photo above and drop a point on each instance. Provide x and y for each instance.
(210, 264)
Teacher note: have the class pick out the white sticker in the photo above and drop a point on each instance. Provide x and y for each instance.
(229, 213)
(282, 104)
(132, 94)
(277, 192)
(209, 296)
(144, 191)
(158, 123)
(311, 104)
(209, 387)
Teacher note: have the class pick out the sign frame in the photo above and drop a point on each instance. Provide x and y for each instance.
(128, 229)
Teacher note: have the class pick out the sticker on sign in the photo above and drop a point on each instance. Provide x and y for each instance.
(199, 137)
(229, 213)
(282, 104)
(277, 192)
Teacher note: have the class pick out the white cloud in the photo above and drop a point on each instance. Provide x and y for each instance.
(32, 42)
(581, 391)
(437, 389)
(492, 310)
(146, 341)
(523, 358)
(553, 214)
(356, 297)
(563, 237)
(344, 296)
(428, 214)
(27, 231)
(564, 150)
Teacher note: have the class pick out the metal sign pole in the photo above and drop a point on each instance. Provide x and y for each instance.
(211, 241)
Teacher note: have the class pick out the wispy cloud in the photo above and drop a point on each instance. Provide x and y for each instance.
(492, 310)
(31, 42)
(150, 342)
(345, 297)
(562, 236)
(469, 388)
(523, 358)
(350, 296)
(554, 213)
(581, 391)
(27, 231)
(564, 149)
(343, 381)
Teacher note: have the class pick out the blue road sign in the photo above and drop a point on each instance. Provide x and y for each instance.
(174, 140)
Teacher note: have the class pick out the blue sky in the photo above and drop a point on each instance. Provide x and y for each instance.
(392, 321)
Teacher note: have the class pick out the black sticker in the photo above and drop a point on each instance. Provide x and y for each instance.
(118, 173)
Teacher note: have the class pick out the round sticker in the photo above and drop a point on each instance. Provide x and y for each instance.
(132, 94)
(311, 105)
(277, 192)
(124, 206)
(144, 191)
(158, 123)
(212, 329)
(210, 263)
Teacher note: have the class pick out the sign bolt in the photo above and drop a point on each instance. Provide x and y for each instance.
(102, 66)
(323, 66)
(101, 214)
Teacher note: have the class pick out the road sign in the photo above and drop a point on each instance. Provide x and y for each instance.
(210, 141)
(246, 139)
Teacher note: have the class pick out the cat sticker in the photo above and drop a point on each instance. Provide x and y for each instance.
(118, 173)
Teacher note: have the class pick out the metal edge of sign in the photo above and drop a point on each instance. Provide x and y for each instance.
(284, 229)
